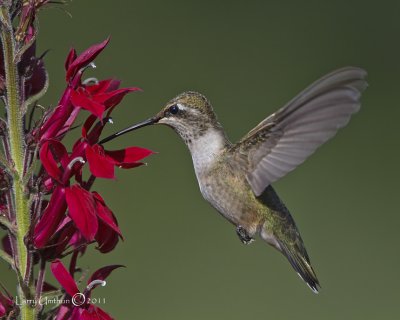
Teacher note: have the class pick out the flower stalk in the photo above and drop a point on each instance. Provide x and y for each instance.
(16, 142)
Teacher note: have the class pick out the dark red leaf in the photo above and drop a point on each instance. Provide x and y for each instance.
(82, 210)
(37, 79)
(63, 277)
(6, 244)
(48, 287)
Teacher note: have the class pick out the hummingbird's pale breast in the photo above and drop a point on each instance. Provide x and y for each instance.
(206, 150)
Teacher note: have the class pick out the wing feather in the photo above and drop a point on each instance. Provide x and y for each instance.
(285, 139)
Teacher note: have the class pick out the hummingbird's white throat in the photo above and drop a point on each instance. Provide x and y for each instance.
(206, 148)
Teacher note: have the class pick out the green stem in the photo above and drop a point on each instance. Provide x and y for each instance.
(16, 142)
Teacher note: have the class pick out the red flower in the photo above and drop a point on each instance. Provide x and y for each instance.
(99, 97)
(95, 98)
(75, 64)
(6, 304)
(51, 218)
(102, 162)
(87, 210)
(80, 308)
(82, 210)
(65, 237)
(108, 232)
(26, 30)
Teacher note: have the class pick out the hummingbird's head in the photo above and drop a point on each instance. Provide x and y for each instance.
(190, 114)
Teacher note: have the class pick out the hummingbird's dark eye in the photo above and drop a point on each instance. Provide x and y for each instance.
(174, 109)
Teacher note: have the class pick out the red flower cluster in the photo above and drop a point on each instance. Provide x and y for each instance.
(91, 218)
(73, 217)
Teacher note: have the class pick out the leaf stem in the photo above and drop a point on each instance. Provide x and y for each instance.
(7, 258)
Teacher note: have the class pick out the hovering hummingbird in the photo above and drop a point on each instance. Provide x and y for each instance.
(236, 178)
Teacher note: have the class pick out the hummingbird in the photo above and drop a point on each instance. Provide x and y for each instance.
(236, 178)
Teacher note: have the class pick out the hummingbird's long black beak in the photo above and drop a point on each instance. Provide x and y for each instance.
(131, 128)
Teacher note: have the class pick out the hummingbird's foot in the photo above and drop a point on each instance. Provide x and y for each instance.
(243, 235)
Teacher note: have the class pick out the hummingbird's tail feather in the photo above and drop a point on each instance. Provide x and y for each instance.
(280, 231)
(301, 264)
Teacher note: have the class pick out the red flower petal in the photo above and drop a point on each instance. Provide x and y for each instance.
(64, 312)
(103, 86)
(85, 58)
(72, 115)
(82, 210)
(130, 165)
(63, 277)
(112, 98)
(106, 238)
(70, 58)
(51, 218)
(99, 164)
(80, 100)
(87, 125)
(6, 304)
(105, 214)
(103, 273)
(51, 153)
(94, 313)
(94, 134)
(129, 155)
(60, 241)
(2, 310)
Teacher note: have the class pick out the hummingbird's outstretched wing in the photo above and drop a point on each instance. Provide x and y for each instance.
(286, 138)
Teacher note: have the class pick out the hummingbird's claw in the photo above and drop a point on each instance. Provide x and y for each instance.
(243, 235)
